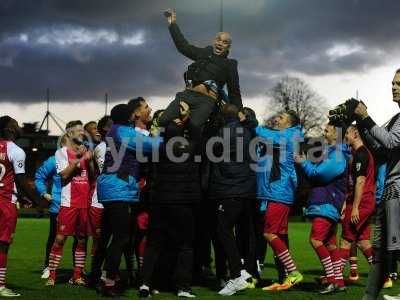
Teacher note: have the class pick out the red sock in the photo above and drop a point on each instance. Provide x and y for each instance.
(337, 266)
(369, 254)
(3, 268)
(282, 252)
(80, 257)
(54, 259)
(326, 262)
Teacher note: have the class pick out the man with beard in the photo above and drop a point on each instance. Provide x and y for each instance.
(205, 78)
(118, 185)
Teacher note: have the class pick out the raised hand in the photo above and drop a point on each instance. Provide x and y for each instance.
(170, 14)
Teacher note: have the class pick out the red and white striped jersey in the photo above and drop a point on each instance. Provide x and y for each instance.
(99, 155)
(12, 162)
(76, 192)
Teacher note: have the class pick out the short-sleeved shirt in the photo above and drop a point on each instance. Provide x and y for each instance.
(362, 165)
(12, 162)
(76, 192)
(99, 155)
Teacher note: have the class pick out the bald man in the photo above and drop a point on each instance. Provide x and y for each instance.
(205, 77)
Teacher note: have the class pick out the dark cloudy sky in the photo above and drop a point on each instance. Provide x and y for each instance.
(82, 49)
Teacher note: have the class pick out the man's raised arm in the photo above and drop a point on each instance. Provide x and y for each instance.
(388, 139)
(181, 43)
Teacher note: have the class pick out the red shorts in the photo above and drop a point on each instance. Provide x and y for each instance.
(143, 221)
(360, 231)
(323, 230)
(95, 214)
(72, 221)
(8, 221)
(276, 218)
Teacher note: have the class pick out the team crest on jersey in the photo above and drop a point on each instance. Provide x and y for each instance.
(2, 156)
(358, 167)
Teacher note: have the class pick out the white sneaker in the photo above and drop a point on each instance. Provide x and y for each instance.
(103, 275)
(245, 275)
(233, 286)
(5, 292)
(387, 297)
(259, 270)
(45, 273)
(186, 294)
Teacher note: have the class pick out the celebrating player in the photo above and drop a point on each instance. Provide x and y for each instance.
(73, 165)
(360, 202)
(325, 201)
(12, 175)
(276, 183)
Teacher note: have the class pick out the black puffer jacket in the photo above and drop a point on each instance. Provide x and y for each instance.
(175, 182)
(233, 179)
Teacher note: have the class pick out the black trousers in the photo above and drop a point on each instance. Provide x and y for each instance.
(261, 243)
(129, 250)
(116, 222)
(103, 242)
(101, 251)
(172, 224)
(52, 236)
(232, 212)
(202, 240)
(201, 107)
(246, 238)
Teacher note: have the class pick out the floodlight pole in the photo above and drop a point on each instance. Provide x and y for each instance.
(106, 103)
(48, 107)
(49, 115)
(221, 17)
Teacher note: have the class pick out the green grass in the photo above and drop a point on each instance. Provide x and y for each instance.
(26, 259)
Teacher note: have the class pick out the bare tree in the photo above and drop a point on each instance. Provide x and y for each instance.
(292, 93)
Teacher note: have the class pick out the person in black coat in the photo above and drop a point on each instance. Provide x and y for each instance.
(174, 192)
(232, 184)
(205, 78)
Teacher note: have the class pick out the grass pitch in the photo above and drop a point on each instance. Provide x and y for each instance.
(26, 263)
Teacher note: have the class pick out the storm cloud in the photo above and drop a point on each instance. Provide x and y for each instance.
(82, 49)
